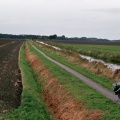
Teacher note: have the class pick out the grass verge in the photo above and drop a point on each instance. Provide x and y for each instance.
(108, 53)
(91, 98)
(32, 106)
(61, 103)
(106, 82)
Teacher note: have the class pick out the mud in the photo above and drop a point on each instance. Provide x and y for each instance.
(10, 77)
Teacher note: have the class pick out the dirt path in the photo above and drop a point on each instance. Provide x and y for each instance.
(6, 44)
(109, 94)
(10, 78)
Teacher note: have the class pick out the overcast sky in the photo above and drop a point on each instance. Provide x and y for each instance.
(72, 18)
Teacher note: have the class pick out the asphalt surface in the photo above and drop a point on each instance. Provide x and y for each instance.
(109, 94)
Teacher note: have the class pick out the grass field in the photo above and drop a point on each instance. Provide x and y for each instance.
(91, 98)
(108, 53)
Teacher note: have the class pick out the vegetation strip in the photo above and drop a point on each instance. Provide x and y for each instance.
(98, 68)
(65, 58)
(58, 99)
(91, 83)
(91, 98)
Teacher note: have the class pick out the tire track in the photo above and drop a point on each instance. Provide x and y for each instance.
(6, 44)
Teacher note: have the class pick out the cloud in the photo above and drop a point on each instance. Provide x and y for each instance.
(107, 10)
(90, 18)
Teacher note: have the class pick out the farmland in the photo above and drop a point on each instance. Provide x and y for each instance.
(10, 78)
(91, 98)
(109, 53)
(97, 72)
(49, 91)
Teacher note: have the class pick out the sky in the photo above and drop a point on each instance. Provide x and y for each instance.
(72, 18)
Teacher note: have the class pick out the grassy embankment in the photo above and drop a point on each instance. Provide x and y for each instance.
(108, 53)
(61, 103)
(91, 98)
(96, 77)
(32, 106)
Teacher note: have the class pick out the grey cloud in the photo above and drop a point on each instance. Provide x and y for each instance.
(90, 18)
(107, 10)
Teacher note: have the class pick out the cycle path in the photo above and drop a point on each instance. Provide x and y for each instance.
(109, 94)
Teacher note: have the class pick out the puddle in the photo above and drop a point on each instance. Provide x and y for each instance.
(57, 48)
(113, 67)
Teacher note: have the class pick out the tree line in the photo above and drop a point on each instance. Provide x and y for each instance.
(55, 37)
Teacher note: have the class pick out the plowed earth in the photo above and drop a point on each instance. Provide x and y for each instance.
(59, 100)
(10, 77)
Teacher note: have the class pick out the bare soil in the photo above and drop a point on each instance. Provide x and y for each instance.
(10, 77)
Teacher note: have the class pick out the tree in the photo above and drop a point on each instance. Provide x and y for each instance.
(53, 36)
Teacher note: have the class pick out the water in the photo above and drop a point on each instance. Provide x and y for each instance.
(57, 48)
(113, 67)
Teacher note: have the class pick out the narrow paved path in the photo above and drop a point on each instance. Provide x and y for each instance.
(109, 94)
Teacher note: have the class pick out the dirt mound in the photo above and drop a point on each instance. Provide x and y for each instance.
(61, 103)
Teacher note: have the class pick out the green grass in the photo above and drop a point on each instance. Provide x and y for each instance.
(108, 53)
(91, 98)
(96, 77)
(32, 106)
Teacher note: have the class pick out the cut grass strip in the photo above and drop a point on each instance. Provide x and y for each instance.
(62, 105)
(106, 82)
(32, 106)
(91, 98)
